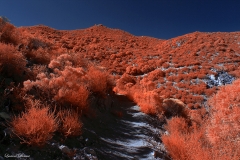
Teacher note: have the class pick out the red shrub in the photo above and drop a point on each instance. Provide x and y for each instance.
(174, 140)
(132, 70)
(77, 97)
(210, 91)
(36, 125)
(98, 81)
(8, 33)
(12, 62)
(125, 79)
(147, 85)
(39, 56)
(165, 65)
(150, 102)
(69, 123)
(146, 68)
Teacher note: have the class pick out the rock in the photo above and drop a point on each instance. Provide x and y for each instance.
(85, 154)
(90, 151)
(65, 149)
(8, 131)
(157, 154)
(160, 155)
(221, 78)
(174, 107)
(4, 115)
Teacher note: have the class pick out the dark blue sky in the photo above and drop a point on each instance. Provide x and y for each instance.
(162, 19)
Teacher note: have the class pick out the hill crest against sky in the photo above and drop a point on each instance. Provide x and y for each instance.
(159, 19)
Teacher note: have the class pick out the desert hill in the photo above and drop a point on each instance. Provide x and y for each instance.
(166, 78)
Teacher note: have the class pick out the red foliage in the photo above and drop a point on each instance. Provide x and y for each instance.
(12, 62)
(8, 33)
(69, 123)
(39, 56)
(98, 81)
(150, 102)
(216, 137)
(77, 97)
(68, 86)
(36, 125)
(225, 115)
(124, 80)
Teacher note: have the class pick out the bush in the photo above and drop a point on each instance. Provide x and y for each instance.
(39, 56)
(125, 79)
(36, 125)
(78, 98)
(35, 44)
(155, 75)
(150, 102)
(12, 62)
(67, 87)
(184, 141)
(8, 33)
(70, 124)
(98, 81)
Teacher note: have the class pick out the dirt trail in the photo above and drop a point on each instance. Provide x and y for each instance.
(134, 135)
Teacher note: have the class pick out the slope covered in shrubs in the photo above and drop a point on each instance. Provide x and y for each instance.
(58, 73)
(215, 136)
(47, 91)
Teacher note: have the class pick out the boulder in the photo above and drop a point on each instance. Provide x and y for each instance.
(174, 107)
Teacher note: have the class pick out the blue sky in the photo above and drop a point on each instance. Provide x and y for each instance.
(163, 19)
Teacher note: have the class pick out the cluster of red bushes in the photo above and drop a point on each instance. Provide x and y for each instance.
(71, 82)
(69, 86)
(37, 124)
(208, 136)
(48, 91)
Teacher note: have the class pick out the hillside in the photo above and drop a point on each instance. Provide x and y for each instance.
(177, 80)
(186, 61)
